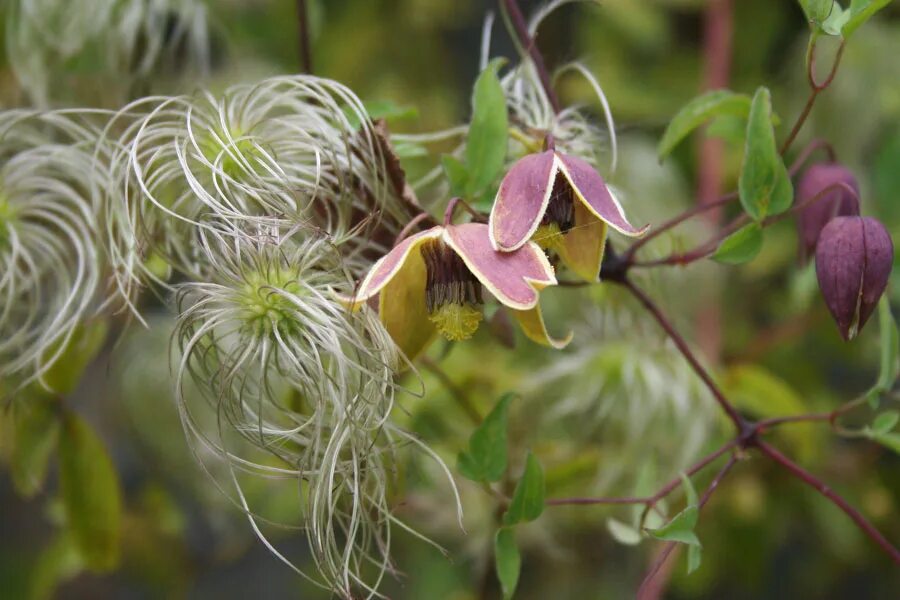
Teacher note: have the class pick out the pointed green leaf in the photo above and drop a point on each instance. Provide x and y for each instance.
(836, 20)
(694, 556)
(36, 432)
(860, 12)
(90, 493)
(817, 10)
(698, 111)
(528, 499)
(508, 561)
(622, 533)
(487, 139)
(885, 422)
(485, 460)
(690, 494)
(888, 440)
(57, 563)
(65, 374)
(680, 528)
(764, 186)
(741, 246)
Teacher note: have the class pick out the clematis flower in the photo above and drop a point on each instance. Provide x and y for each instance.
(431, 282)
(562, 203)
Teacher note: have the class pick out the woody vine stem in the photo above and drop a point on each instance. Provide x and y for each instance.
(748, 434)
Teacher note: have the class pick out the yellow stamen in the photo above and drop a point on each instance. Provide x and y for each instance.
(456, 322)
(548, 237)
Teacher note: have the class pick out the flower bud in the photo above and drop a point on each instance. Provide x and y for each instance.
(853, 262)
(836, 202)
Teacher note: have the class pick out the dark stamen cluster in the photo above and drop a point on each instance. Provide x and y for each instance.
(449, 279)
(561, 209)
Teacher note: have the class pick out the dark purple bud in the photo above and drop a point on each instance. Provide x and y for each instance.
(853, 262)
(836, 202)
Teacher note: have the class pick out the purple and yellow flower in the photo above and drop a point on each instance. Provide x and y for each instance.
(431, 283)
(563, 204)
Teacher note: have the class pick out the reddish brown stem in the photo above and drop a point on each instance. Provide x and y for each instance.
(816, 89)
(682, 345)
(813, 146)
(678, 220)
(821, 487)
(659, 495)
(521, 29)
(407, 229)
(705, 249)
(303, 31)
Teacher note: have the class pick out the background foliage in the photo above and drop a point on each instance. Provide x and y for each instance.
(603, 417)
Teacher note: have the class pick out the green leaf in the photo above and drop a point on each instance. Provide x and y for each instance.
(860, 12)
(885, 422)
(485, 459)
(36, 432)
(680, 528)
(528, 499)
(57, 563)
(817, 10)
(622, 533)
(690, 493)
(890, 349)
(764, 186)
(741, 246)
(487, 139)
(457, 174)
(65, 374)
(888, 440)
(381, 109)
(694, 557)
(508, 561)
(410, 150)
(90, 493)
(836, 20)
(698, 111)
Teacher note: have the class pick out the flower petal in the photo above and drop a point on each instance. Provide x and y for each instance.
(514, 278)
(532, 323)
(398, 279)
(592, 190)
(582, 246)
(388, 266)
(401, 306)
(521, 200)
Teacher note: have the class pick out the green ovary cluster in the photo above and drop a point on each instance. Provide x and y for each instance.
(216, 147)
(266, 306)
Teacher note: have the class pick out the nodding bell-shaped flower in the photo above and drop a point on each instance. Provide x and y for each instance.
(854, 257)
(836, 200)
(561, 203)
(431, 282)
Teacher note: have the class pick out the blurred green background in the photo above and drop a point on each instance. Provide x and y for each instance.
(764, 535)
